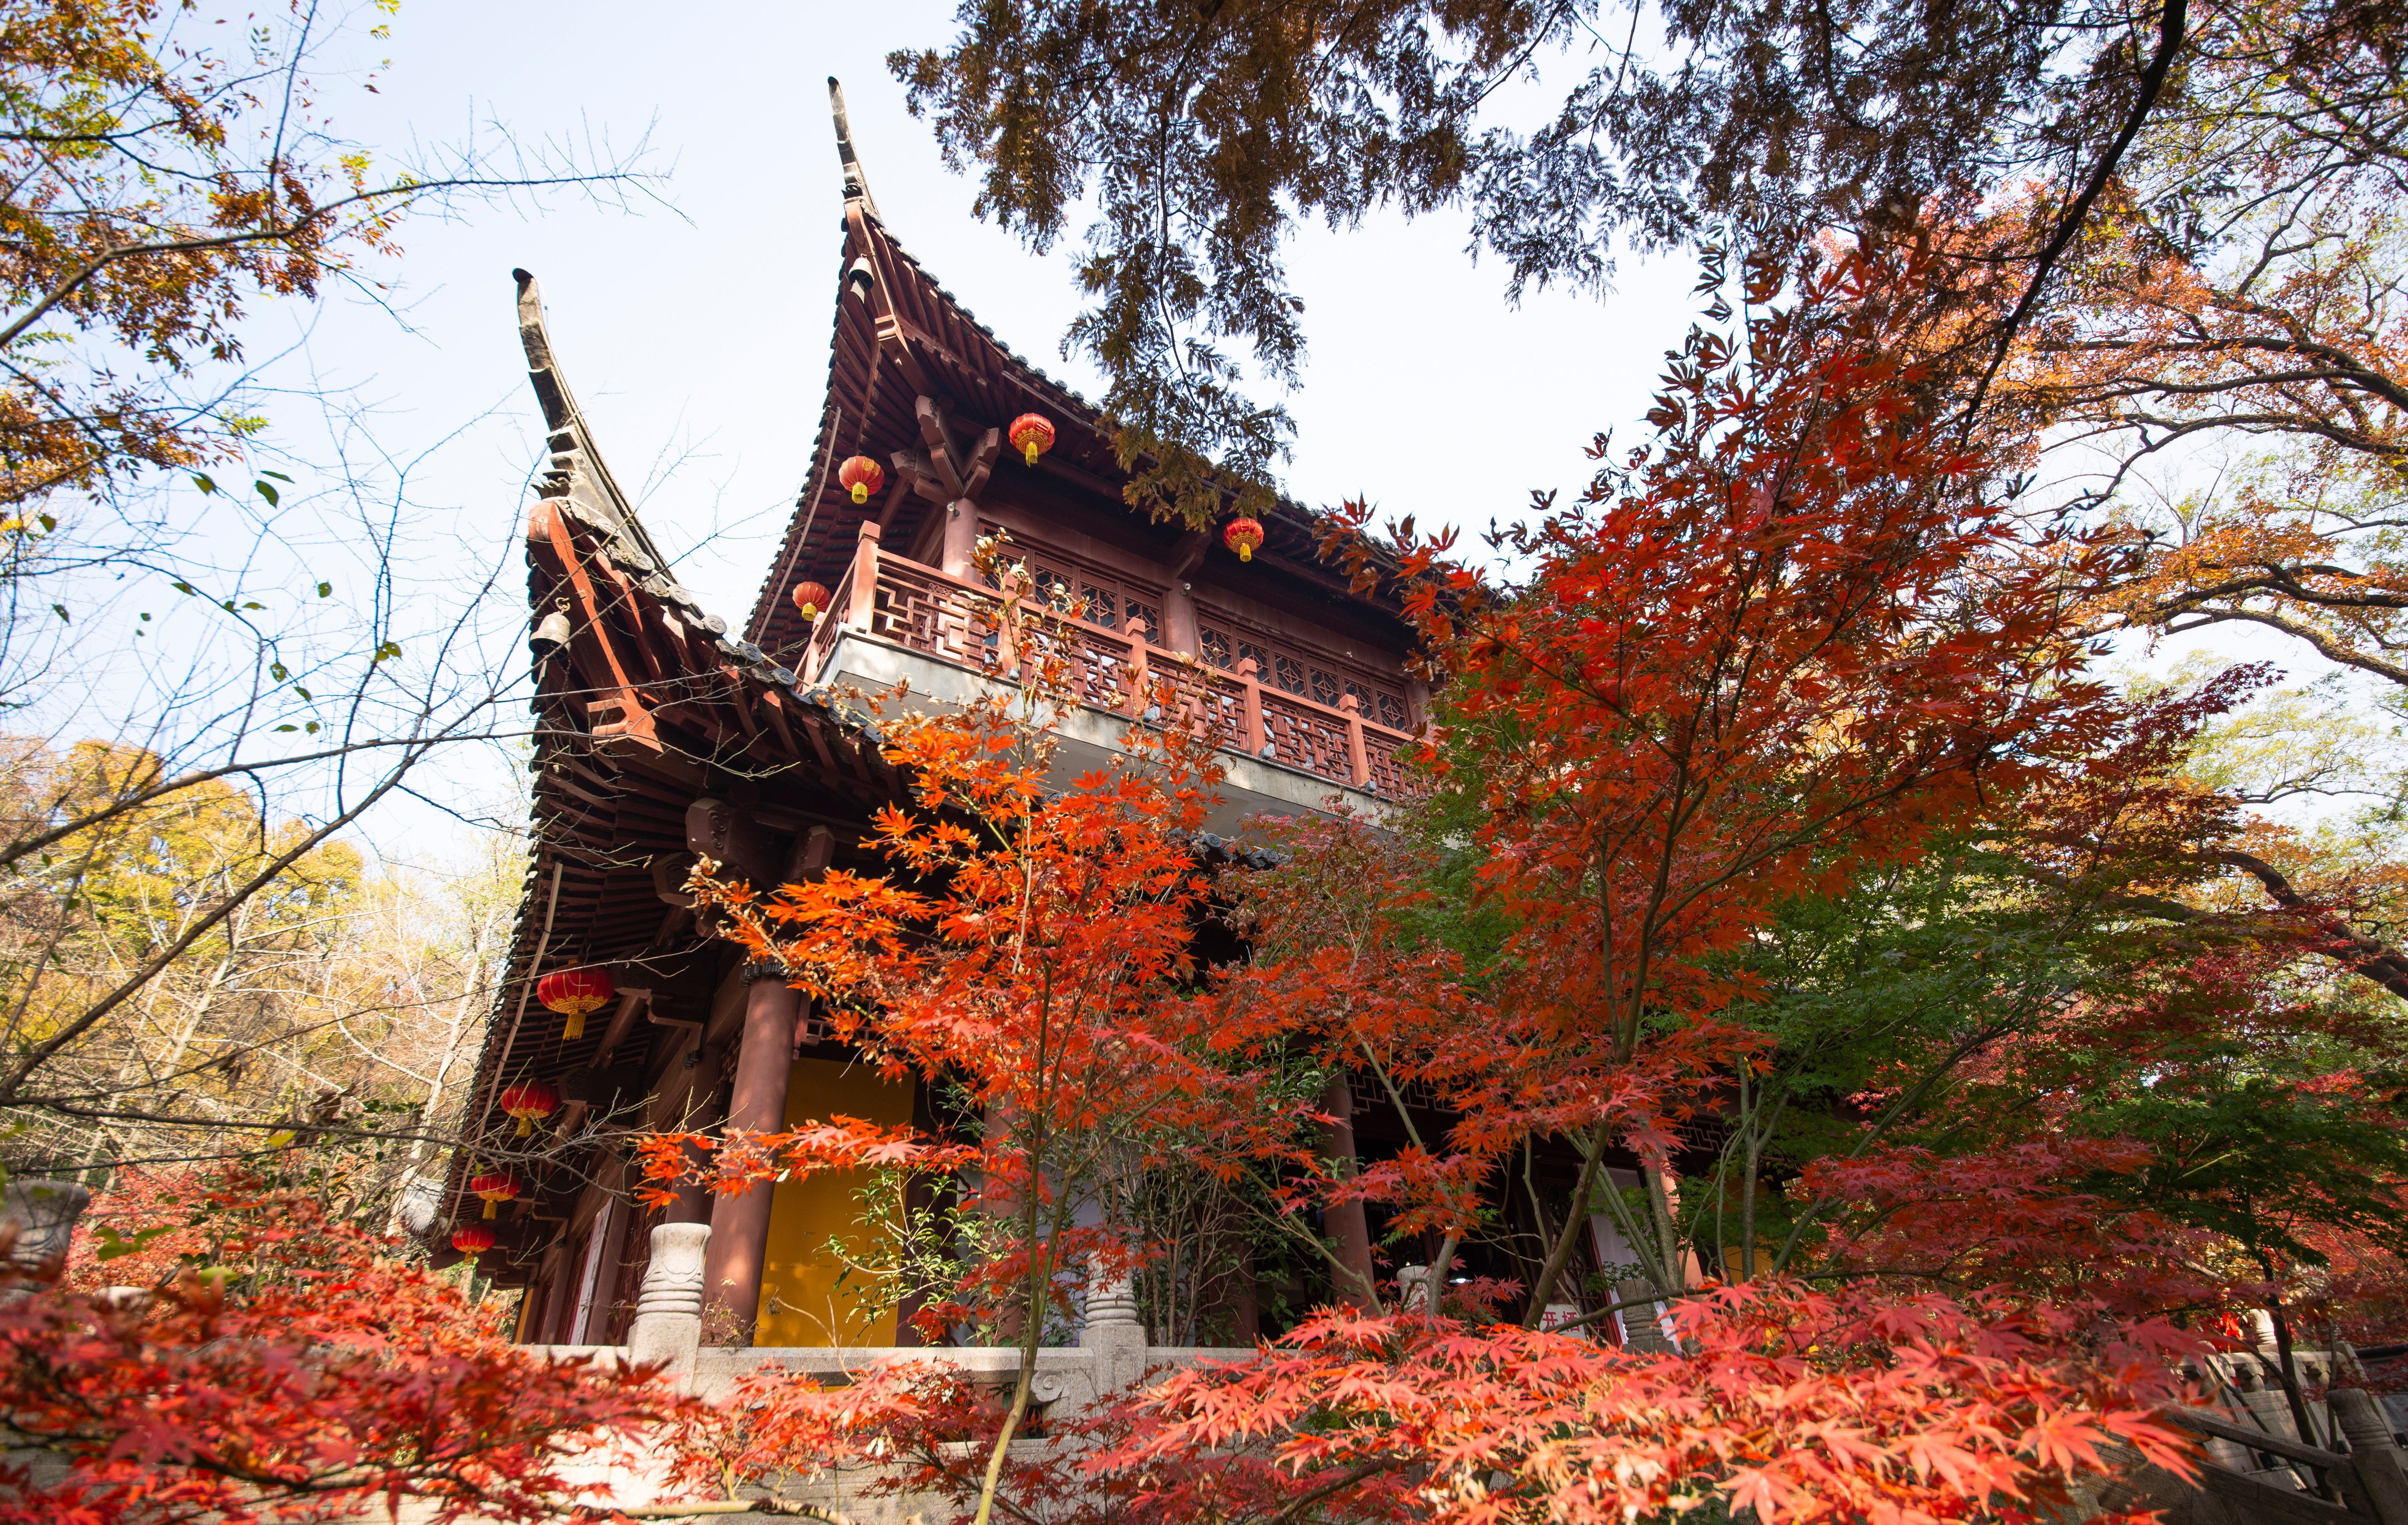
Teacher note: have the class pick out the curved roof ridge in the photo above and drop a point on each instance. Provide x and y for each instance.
(574, 452)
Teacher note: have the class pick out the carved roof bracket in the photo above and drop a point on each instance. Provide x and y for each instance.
(981, 462)
(944, 457)
(926, 480)
(959, 473)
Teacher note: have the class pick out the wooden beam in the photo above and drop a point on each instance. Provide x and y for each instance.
(548, 531)
(675, 770)
(818, 736)
(735, 701)
(668, 879)
(772, 705)
(943, 454)
(678, 917)
(1051, 465)
(894, 495)
(895, 333)
(727, 836)
(727, 1011)
(622, 1022)
(1187, 552)
(812, 858)
(913, 467)
(634, 606)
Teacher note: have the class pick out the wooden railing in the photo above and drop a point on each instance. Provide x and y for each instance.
(1118, 671)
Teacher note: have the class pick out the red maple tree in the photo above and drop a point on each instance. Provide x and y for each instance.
(303, 1374)
(1799, 633)
(1034, 952)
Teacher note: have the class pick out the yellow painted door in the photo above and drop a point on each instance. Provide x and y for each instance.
(808, 1298)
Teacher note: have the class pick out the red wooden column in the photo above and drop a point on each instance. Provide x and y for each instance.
(1346, 1222)
(686, 1103)
(958, 556)
(1180, 632)
(740, 1224)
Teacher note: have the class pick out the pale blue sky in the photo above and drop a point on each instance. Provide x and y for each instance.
(697, 338)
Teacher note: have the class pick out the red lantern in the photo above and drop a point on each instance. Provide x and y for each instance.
(1242, 536)
(575, 992)
(494, 1188)
(472, 1239)
(860, 476)
(810, 598)
(527, 1101)
(1032, 435)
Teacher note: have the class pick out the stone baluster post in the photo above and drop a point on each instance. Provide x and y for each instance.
(668, 1328)
(44, 1212)
(1112, 1329)
(2382, 1476)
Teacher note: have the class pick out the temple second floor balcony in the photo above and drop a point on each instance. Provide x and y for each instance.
(897, 621)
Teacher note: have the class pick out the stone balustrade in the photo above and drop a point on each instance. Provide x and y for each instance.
(1112, 1354)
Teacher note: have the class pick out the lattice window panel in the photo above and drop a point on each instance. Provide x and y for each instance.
(1305, 738)
(1225, 646)
(1100, 597)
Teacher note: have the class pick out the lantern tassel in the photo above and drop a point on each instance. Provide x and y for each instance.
(860, 492)
(575, 1027)
(1245, 550)
(1032, 452)
(526, 1124)
(489, 1207)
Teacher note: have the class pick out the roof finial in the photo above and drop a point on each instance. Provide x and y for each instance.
(856, 184)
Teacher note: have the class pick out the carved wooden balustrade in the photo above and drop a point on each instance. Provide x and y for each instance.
(1118, 671)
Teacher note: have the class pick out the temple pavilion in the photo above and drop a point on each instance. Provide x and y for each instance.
(664, 732)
